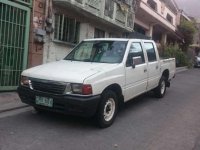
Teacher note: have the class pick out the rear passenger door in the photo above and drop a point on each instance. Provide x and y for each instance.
(153, 65)
(136, 78)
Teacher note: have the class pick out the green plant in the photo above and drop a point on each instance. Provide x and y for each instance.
(174, 51)
(187, 28)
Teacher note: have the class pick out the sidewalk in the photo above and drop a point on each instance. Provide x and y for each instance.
(10, 100)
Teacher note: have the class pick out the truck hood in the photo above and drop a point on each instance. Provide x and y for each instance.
(66, 71)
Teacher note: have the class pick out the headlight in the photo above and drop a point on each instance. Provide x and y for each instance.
(76, 88)
(25, 81)
(84, 89)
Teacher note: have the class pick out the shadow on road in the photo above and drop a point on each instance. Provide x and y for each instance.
(86, 123)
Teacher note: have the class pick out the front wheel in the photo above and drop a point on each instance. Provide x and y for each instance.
(107, 109)
(38, 110)
(161, 88)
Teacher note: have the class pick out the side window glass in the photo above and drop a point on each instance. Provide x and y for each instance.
(151, 54)
(135, 51)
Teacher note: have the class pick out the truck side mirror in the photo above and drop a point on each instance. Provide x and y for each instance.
(136, 61)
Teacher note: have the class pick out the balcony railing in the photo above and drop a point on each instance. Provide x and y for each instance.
(94, 3)
(113, 11)
(80, 1)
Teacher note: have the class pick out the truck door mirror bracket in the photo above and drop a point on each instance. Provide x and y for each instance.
(136, 61)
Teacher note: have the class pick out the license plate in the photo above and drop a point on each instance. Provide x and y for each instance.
(44, 101)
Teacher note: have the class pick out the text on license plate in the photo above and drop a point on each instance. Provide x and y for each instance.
(44, 101)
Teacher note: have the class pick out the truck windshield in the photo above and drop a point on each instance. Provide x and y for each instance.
(98, 51)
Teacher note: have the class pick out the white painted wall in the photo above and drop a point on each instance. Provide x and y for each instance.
(54, 51)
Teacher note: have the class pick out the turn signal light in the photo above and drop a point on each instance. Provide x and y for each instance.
(86, 89)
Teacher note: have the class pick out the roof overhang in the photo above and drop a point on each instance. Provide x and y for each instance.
(149, 16)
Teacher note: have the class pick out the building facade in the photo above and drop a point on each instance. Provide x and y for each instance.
(158, 19)
(55, 27)
(74, 20)
(196, 41)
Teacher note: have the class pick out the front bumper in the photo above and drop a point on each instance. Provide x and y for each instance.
(74, 105)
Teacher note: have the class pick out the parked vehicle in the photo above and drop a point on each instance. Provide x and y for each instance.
(96, 77)
(197, 61)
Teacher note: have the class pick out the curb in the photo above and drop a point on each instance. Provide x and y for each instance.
(14, 108)
(181, 69)
(10, 101)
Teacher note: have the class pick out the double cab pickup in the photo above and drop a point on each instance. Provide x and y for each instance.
(97, 77)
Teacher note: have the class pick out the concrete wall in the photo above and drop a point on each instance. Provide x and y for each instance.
(54, 51)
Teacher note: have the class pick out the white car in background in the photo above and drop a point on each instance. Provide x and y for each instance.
(197, 61)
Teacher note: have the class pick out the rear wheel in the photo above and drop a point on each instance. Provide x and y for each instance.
(161, 89)
(107, 109)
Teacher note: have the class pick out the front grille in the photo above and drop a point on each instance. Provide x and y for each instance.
(48, 86)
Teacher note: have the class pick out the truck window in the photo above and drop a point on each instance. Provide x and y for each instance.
(151, 54)
(135, 51)
(98, 51)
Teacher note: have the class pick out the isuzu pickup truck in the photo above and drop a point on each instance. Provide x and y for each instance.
(97, 77)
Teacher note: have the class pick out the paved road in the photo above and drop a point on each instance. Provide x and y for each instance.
(146, 123)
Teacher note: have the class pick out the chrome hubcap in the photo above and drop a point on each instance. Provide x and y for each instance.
(109, 109)
(162, 87)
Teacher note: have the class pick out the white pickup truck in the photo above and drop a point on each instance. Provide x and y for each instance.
(97, 77)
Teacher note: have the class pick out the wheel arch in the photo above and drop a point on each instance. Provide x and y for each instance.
(166, 74)
(118, 90)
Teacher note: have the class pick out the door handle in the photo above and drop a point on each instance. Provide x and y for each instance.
(145, 70)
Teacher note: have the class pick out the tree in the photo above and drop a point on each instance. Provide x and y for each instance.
(187, 28)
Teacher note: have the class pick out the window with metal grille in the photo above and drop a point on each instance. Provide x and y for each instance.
(169, 18)
(128, 2)
(66, 29)
(152, 4)
(80, 1)
(109, 8)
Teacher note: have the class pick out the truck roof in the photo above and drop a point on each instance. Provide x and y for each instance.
(114, 39)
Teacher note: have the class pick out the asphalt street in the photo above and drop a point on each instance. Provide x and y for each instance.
(145, 123)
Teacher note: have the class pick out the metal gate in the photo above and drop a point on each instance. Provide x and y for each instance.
(14, 35)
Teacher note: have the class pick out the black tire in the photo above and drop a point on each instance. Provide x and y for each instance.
(160, 90)
(38, 110)
(107, 110)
